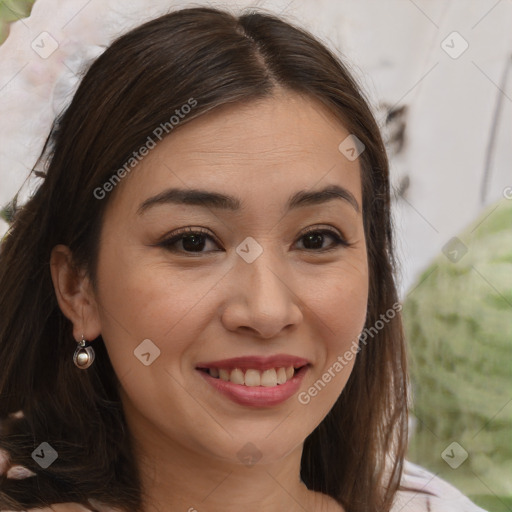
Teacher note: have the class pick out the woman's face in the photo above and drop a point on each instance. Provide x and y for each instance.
(252, 285)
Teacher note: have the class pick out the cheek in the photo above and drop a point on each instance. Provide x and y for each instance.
(338, 311)
(169, 307)
(345, 300)
(140, 301)
(339, 298)
(348, 320)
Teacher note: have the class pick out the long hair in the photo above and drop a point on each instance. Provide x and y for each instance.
(356, 453)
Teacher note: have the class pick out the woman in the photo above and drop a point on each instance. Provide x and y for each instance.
(213, 230)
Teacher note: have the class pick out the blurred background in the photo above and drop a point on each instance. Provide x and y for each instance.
(439, 77)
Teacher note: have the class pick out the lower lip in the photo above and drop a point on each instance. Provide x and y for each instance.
(257, 396)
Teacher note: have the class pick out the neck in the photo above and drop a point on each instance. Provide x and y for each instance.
(176, 477)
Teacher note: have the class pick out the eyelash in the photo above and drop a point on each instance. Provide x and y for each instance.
(180, 234)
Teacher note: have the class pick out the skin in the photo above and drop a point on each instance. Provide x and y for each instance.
(213, 304)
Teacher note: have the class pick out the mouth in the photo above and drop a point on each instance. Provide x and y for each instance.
(253, 377)
(256, 381)
(252, 371)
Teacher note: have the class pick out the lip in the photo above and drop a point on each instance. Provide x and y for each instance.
(256, 396)
(256, 362)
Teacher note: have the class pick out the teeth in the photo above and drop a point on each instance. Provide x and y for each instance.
(269, 378)
(252, 378)
(237, 376)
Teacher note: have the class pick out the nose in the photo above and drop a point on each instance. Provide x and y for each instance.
(263, 299)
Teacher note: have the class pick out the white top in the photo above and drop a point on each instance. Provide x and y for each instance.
(432, 495)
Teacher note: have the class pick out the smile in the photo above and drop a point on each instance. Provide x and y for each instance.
(256, 381)
(253, 377)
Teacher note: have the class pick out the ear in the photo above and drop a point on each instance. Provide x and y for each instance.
(75, 294)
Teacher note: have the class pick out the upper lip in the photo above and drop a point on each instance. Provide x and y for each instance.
(256, 362)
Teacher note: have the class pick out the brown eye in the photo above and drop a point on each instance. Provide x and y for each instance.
(191, 241)
(314, 240)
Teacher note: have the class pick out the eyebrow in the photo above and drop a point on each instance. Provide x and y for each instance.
(208, 199)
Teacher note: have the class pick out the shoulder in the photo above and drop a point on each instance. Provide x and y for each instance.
(422, 491)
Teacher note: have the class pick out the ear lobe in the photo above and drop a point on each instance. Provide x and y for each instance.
(74, 294)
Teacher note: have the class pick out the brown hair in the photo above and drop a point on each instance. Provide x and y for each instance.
(356, 453)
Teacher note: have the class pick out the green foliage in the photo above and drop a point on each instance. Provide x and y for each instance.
(12, 10)
(493, 503)
(8, 211)
(458, 322)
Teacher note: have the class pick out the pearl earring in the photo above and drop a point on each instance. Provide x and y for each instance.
(84, 354)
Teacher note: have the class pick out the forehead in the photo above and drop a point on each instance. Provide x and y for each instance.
(265, 150)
